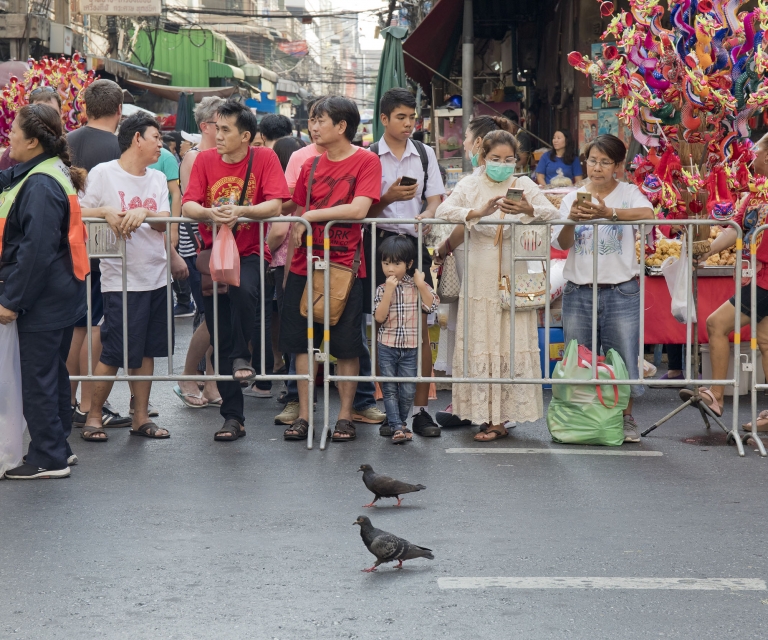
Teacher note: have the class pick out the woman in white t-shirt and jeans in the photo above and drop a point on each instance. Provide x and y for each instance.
(618, 301)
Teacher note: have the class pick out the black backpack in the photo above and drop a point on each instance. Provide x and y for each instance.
(424, 164)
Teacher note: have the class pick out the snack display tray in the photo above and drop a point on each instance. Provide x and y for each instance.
(708, 272)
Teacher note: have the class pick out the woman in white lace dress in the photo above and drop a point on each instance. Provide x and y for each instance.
(483, 196)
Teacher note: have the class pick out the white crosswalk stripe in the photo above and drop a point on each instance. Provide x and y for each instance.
(540, 582)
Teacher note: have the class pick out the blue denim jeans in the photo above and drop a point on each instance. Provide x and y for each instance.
(364, 395)
(618, 322)
(398, 396)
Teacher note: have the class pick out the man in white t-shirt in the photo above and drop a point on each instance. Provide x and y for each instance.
(618, 296)
(127, 193)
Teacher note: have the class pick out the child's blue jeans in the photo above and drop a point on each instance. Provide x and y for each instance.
(398, 396)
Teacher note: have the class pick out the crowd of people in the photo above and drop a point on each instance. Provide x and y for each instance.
(240, 172)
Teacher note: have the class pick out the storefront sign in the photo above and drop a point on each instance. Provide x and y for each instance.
(121, 7)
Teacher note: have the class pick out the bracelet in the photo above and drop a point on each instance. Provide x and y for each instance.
(448, 247)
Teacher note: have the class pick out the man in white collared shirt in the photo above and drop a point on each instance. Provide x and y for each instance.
(402, 158)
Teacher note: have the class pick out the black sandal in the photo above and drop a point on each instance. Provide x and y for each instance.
(386, 430)
(89, 433)
(149, 430)
(298, 430)
(241, 364)
(343, 428)
(231, 431)
(406, 435)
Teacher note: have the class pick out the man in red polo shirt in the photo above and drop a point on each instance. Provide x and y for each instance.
(214, 188)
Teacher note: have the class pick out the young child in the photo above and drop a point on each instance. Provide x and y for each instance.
(396, 309)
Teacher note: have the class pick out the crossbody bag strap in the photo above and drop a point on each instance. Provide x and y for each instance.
(356, 259)
(309, 182)
(244, 191)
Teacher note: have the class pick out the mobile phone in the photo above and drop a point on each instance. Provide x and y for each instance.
(583, 196)
(515, 194)
(405, 181)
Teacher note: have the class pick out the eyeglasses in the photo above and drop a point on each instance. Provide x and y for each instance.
(39, 90)
(207, 122)
(603, 163)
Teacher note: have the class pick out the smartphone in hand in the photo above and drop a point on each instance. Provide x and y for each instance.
(515, 195)
(405, 181)
(583, 196)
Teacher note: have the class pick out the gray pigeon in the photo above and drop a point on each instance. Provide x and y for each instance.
(388, 547)
(384, 486)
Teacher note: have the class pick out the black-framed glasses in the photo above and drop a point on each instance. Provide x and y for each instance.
(603, 163)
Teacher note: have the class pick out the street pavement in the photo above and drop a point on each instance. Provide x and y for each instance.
(191, 538)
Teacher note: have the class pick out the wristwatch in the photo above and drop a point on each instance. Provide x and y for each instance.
(615, 215)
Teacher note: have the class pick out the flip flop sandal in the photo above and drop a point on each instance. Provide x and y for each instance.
(241, 364)
(183, 397)
(298, 430)
(343, 428)
(401, 436)
(89, 433)
(231, 431)
(149, 430)
(214, 403)
(488, 429)
(705, 394)
(762, 422)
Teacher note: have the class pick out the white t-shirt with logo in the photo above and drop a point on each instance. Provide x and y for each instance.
(109, 185)
(616, 258)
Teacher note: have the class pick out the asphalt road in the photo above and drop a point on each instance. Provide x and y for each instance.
(191, 538)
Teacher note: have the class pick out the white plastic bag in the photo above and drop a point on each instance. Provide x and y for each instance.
(11, 411)
(675, 271)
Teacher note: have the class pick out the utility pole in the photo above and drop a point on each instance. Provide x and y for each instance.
(467, 73)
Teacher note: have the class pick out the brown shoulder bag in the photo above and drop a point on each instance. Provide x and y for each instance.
(341, 280)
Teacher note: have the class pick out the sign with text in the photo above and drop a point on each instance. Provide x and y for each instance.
(121, 7)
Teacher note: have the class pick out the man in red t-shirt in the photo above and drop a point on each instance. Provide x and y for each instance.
(720, 323)
(347, 181)
(213, 190)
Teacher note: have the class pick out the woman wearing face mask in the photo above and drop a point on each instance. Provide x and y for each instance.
(560, 162)
(483, 195)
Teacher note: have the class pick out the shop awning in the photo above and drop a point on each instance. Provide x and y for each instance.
(444, 19)
(172, 93)
(221, 70)
(254, 72)
(287, 86)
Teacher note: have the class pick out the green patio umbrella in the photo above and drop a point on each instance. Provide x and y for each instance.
(391, 71)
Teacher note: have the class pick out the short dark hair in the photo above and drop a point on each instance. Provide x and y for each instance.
(399, 248)
(610, 145)
(511, 115)
(396, 98)
(244, 118)
(313, 103)
(103, 98)
(285, 147)
(44, 95)
(274, 126)
(137, 123)
(340, 109)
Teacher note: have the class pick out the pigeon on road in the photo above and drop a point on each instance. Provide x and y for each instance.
(388, 547)
(384, 486)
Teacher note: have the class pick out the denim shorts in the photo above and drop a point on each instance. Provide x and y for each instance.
(761, 305)
(618, 322)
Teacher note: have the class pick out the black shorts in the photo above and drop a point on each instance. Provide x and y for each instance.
(426, 257)
(97, 302)
(346, 336)
(147, 327)
(761, 305)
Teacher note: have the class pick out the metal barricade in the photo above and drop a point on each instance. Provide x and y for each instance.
(691, 378)
(754, 387)
(104, 245)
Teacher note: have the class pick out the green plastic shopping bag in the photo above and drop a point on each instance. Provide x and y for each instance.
(587, 414)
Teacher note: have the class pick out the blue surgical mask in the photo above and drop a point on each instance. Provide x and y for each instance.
(498, 171)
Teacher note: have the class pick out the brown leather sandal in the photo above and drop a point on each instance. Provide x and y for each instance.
(94, 434)
(488, 429)
(298, 430)
(343, 431)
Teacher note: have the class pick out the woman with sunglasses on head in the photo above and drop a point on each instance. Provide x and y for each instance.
(618, 302)
(41, 95)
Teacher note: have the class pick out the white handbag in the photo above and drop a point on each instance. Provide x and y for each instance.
(449, 286)
(530, 288)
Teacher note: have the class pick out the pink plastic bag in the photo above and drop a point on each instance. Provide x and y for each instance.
(225, 258)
